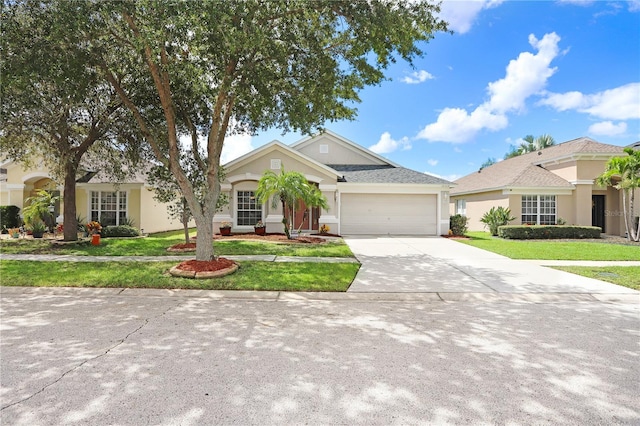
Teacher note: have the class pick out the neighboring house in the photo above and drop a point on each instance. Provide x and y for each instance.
(545, 186)
(97, 198)
(366, 193)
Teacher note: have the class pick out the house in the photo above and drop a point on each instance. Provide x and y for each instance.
(366, 193)
(97, 198)
(544, 187)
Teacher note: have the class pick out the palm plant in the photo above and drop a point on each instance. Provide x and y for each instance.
(495, 217)
(288, 189)
(38, 207)
(623, 173)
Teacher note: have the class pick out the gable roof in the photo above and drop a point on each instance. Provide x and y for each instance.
(384, 174)
(345, 142)
(527, 170)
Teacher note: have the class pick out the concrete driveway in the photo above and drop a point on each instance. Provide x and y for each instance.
(439, 265)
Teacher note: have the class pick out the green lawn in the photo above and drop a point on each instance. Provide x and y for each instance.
(156, 245)
(628, 276)
(250, 276)
(552, 249)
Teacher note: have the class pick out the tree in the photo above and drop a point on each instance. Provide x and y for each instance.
(488, 162)
(219, 68)
(623, 173)
(55, 107)
(166, 190)
(531, 144)
(289, 189)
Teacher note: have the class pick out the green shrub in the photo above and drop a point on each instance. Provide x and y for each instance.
(10, 217)
(540, 232)
(495, 217)
(120, 231)
(458, 224)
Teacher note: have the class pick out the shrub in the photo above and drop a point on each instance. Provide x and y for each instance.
(120, 231)
(458, 224)
(526, 232)
(497, 216)
(10, 217)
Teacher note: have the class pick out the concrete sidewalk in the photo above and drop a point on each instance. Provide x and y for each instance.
(171, 258)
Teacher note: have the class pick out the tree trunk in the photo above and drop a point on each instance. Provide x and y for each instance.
(635, 232)
(70, 223)
(624, 211)
(204, 239)
(185, 220)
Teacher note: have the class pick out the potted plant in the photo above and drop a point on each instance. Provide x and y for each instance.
(38, 228)
(94, 229)
(260, 228)
(225, 228)
(14, 232)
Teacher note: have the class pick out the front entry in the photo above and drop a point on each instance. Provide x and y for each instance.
(597, 211)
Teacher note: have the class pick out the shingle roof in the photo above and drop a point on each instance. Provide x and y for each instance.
(524, 170)
(358, 173)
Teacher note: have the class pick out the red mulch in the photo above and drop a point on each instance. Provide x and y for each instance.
(271, 237)
(184, 246)
(204, 265)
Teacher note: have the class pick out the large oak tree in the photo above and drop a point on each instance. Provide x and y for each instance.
(221, 67)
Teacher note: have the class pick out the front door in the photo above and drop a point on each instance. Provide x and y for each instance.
(597, 211)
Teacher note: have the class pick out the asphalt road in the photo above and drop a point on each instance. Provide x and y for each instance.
(101, 357)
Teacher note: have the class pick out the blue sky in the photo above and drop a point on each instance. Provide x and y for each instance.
(512, 68)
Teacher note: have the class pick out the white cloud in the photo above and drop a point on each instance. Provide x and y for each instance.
(461, 14)
(386, 144)
(418, 77)
(620, 103)
(450, 177)
(634, 5)
(608, 128)
(525, 76)
(432, 162)
(578, 2)
(235, 146)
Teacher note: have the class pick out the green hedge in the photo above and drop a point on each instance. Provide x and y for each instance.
(10, 217)
(458, 224)
(120, 231)
(541, 232)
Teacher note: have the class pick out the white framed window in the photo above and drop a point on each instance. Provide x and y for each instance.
(539, 209)
(109, 207)
(461, 207)
(249, 210)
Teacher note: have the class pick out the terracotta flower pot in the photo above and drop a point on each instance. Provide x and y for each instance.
(260, 231)
(95, 240)
(225, 231)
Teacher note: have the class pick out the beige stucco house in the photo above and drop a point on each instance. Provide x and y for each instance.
(546, 186)
(96, 197)
(366, 193)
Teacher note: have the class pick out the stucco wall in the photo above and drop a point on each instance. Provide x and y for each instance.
(337, 152)
(479, 204)
(568, 171)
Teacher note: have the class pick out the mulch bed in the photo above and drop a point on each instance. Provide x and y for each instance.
(274, 238)
(204, 269)
(456, 237)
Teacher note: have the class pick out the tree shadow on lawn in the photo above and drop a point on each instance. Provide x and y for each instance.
(184, 360)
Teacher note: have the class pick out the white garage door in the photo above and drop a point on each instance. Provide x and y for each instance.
(380, 214)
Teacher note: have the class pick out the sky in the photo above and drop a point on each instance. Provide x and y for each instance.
(567, 68)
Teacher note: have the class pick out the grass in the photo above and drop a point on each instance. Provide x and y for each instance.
(156, 245)
(627, 276)
(553, 249)
(250, 276)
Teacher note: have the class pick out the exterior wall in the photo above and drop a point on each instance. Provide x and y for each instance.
(567, 171)
(566, 208)
(337, 152)
(590, 169)
(153, 214)
(479, 204)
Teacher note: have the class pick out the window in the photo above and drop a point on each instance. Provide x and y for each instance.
(461, 207)
(249, 210)
(109, 208)
(539, 209)
(276, 164)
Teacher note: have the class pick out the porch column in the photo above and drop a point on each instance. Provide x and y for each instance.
(583, 202)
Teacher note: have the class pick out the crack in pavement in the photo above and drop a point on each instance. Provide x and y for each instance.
(120, 342)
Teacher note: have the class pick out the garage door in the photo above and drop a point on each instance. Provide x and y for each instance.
(379, 214)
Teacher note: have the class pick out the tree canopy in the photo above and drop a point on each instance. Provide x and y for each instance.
(206, 70)
(623, 173)
(531, 144)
